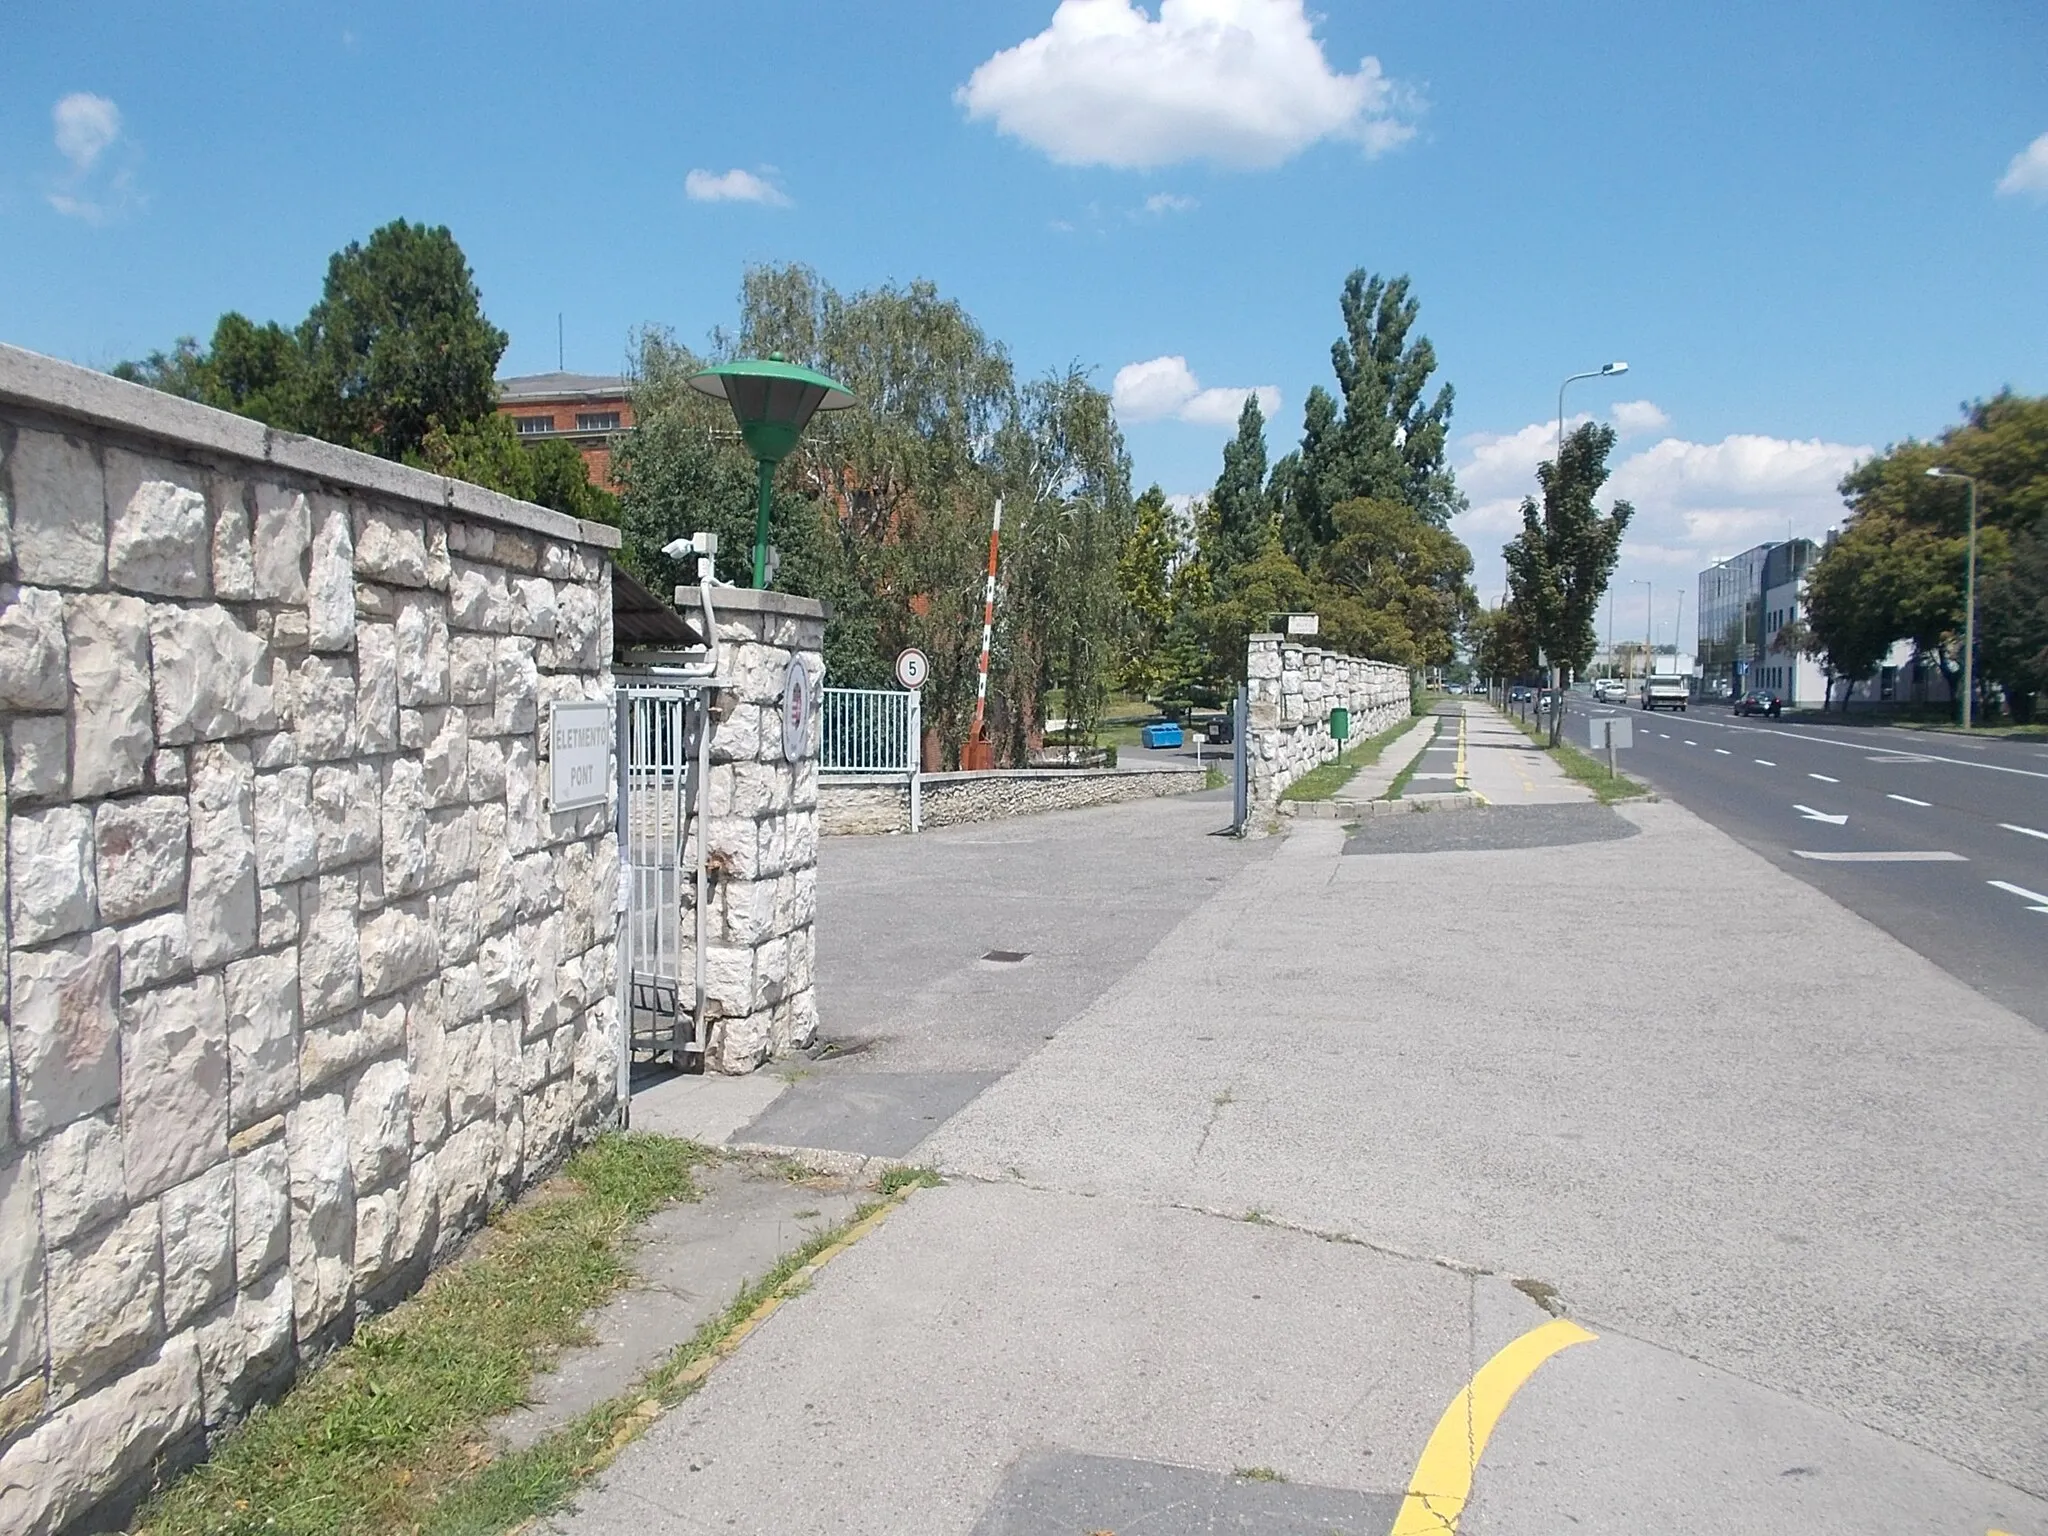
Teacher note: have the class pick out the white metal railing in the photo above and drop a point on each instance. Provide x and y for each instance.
(873, 731)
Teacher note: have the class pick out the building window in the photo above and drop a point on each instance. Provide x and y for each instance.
(597, 421)
(533, 426)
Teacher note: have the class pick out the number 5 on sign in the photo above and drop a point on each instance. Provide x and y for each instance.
(912, 669)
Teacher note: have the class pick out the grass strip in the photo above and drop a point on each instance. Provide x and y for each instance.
(1396, 789)
(372, 1440)
(1325, 779)
(1584, 768)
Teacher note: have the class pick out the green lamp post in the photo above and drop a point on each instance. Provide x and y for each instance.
(773, 401)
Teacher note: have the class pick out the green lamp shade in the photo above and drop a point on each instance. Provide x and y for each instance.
(772, 400)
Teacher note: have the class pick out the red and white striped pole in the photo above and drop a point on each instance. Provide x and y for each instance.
(988, 624)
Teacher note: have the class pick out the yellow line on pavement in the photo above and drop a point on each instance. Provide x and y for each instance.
(1442, 1484)
(1461, 781)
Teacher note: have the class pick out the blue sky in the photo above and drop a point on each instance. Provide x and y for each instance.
(1810, 229)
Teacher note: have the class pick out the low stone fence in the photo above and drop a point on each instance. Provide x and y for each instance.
(855, 805)
(1293, 688)
(302, 973)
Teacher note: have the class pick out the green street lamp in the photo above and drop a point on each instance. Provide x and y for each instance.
(773, 401)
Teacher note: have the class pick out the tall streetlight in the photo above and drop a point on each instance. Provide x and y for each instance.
(1608, 372)
(773, 401)
(1649, 613)
(1969, 589)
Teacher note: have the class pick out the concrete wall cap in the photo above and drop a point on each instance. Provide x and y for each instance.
(726, 600)
(65, 389)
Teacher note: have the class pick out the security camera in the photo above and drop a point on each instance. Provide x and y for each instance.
(700, 543)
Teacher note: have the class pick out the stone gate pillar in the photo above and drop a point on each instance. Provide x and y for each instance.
(760, 822)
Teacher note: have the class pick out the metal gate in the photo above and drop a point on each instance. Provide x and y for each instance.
(660, 724)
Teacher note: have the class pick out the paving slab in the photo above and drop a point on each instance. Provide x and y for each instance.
(1506, 768)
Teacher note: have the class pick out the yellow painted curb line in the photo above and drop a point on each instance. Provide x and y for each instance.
(1442, 1484)
(1463, 781)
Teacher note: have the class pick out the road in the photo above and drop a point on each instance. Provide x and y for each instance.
(1940, 841)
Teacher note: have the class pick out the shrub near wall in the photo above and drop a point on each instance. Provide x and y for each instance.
(301, 974)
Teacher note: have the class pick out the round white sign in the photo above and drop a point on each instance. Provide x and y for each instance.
(796, 709)
(912, 668)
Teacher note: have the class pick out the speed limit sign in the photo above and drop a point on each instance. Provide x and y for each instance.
(912, 668)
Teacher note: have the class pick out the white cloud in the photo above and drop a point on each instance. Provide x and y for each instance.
(1241, 83)
(1167, 387)
(734, 186)
(2028, 172)
(1170, 202)
(1633, 418)
(93, 188)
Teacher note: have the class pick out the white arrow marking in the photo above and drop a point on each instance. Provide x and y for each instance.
(2023, 893)
(1812, 815)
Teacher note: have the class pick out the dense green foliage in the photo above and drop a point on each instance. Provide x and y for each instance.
(884, 509)
(396, 359)
(1896, 571)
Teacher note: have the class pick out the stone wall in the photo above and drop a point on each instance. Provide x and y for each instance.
(302, 976)
(1293, 688)
(761, 825)
(850, 806)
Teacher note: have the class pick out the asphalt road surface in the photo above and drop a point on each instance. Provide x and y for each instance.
(1940, 841)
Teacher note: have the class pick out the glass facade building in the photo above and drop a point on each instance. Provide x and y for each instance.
(1736, 626)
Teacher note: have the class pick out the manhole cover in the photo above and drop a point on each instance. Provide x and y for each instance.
(1006, 956)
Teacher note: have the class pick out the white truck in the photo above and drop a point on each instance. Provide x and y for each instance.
(1666, 690)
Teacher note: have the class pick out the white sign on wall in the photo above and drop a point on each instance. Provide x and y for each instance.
(796, 709)
(579, 754)
(1304, 623)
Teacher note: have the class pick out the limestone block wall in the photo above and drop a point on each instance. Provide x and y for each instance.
(760, 823)
(301, 974)
(853, 806)
(1292, 690)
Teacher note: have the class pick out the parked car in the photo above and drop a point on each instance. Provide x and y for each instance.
(1760, 702)
(1547, 700)
(1519, 695)
(1454, 687)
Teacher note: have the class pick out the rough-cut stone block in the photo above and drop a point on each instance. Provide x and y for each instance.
(263, 1036)
(472, 665)
(174, 1084)
(346, 813)
(331, 1051)
(390, 547)
(154, 951)
(533, 607)
(51, 877)
(139, 855)
(33, 665)
(486, 775)
(398, 949)
(79, 1170)
(541, 943)
(234, 562)
(323, 1226)
(550, 1124)
(738, 736)
(379, 1123)
(479, 598)
(422, 649)
(199, 1244)
(59, 519)
(404, 827)
(262, 1209)
(245, 1349)
(472, 1076)
(287, 835)
(104, 1294)
(377, 688)
(277, 916)
(284, 532)
(464, 1166)
(211, 675)
(427, 1078)
(21, 1276)
(38, 758)
(451, 846)
(168, 769)
(221, 905)
(331, 580)
(524, 825)
(515, 688)
(578, 626)
(161, 533)
(445, 756)
(85, 1451)
(112, 734)
(323, 708)
(329, 964)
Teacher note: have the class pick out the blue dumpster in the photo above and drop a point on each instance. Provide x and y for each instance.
(1161, 733)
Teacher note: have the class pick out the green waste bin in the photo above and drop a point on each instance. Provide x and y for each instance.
(1340, 725)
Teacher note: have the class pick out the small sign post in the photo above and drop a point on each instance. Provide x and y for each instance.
(1611, 731)
(579, 754)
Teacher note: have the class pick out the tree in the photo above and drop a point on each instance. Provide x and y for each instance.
(1379, 438)
(1144, 575)
(1399, 583)
(1500, 643)
(2012, 626)
(1238, 507)
(1559, 565)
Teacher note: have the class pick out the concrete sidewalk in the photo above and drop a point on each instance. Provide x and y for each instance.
(1505, 768)
(1268, 1199)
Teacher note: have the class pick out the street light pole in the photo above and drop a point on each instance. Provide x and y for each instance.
(1649, 612)
(1970, 594)
(1606, 372)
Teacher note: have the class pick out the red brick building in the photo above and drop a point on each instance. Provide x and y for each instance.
(585, 408)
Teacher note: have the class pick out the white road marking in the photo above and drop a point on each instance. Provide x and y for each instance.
(1900, 757)
(1831, 819)
(1903, 856)
(1722, 752)
(2023, 831)
(1823, 778)
(1765, 762)
(1692, 743)
(1864, 746)
(2023, 893)
(1908, 800)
